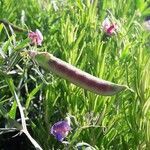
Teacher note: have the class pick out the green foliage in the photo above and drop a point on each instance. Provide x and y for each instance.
(73, 33)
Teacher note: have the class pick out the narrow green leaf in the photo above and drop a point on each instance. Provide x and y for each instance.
(22, 44)
(1, 27)
(12, 112)
(32, 94)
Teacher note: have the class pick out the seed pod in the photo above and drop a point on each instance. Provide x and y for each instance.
(75, 75)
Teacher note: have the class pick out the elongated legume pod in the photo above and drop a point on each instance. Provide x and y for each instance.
(75, 75)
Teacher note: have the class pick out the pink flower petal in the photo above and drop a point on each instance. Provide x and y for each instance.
(36, 37)
(106, 24)
(108, 27)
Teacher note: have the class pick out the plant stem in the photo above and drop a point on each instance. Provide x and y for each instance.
(24, 126)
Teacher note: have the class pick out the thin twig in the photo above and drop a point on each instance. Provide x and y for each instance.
(24, 126)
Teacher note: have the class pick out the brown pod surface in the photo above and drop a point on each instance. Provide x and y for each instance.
(75, 75)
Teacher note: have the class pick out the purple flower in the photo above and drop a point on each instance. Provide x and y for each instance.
(108, 27)
(60, 130)
(36, 37)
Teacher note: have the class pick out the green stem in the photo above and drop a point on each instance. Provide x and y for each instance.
(14, 27)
